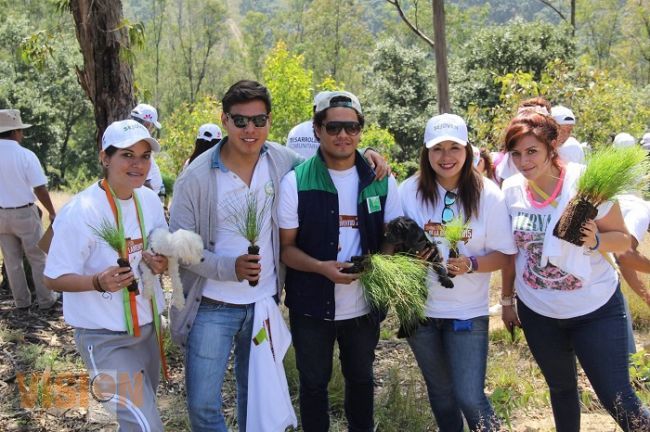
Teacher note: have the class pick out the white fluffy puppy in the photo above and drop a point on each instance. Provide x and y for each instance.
(181, 246)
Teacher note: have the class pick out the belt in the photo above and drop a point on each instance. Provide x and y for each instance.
(207, 300)
(16, 208)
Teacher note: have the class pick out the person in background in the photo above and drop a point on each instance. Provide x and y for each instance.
(22, 181)
(147, 115)
(209, 135)
(568, 148)
(483, 162)
(623, 140)
(301, 138)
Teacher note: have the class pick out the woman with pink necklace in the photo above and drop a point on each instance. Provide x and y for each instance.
(565, 311)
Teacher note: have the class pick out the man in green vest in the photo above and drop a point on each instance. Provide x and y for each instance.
(332, 208)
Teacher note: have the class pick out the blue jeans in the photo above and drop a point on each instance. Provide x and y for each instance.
(453, 364)
(215, 329)
(599, 340)
(313, 340)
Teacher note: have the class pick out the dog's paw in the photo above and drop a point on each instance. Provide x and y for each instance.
(445, 281)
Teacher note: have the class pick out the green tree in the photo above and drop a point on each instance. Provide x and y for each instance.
(400, 94)
(39, 80)
(181, 128)
(499, 50)
(290, 85)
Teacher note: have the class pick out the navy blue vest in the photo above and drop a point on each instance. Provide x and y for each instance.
(318, 232)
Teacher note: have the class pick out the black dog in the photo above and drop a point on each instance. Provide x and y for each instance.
(407, 237)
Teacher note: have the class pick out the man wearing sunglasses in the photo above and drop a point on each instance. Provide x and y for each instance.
(220, 301)
(332, 208)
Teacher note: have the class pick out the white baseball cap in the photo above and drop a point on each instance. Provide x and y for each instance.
(445, 127)
(209, 132)
(645, 140)
(124, 133)
(348, 100)
(147, 113)
(10, 120)
(563, 115)
(623, 140)
(320, 96)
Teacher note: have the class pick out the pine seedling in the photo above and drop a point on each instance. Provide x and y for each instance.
(454, 233)
(109, 234)
(610, 171)
(398, 281)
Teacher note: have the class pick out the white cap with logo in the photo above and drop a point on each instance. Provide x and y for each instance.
(445, 127)
(347, 100)
(563, 115)
(147, 113)
(623, 140)
(209, 132)
(10, 120)
(124, 133)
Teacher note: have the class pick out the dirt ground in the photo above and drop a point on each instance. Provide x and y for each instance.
(37, 341)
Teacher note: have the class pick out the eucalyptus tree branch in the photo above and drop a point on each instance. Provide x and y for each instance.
(550, 5)
(414, 28)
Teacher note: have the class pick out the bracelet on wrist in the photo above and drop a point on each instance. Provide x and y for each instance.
(97, 285)
(473, 264)
(507, 300)
(597, 243)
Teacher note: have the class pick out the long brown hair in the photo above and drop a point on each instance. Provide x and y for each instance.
(540, 126)
(487, 163)
(470, 183)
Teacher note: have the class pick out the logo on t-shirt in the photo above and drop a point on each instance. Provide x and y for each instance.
(346, 221)
(134, 246)
(436, 229)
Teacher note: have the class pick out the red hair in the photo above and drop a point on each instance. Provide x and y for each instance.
(540, 126)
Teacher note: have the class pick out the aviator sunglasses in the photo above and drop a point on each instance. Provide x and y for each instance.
(447, 211)
(241, 121)
(334, 128)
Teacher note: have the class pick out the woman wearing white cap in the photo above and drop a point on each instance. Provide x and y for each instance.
(569, 301)
(451, 346)
(209, 135)
(117, 331)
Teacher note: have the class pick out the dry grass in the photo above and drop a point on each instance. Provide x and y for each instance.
(514, 383)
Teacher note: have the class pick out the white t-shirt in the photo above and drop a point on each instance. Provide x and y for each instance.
(76, 249)
(571, 151)
(302, 140)
(636, 214)
(349, 299)
(233, 192)
(154, 177)
(488, 232)
(20, 173)
(548, 290)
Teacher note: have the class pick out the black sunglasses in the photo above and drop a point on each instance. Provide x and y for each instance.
(334, 128)
(241, 121)
(447, 211)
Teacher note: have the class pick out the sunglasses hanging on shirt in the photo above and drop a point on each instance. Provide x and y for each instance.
(447, 211)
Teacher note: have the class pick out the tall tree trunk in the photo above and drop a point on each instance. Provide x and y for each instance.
(440, 47)
(106, 77)
(573, 18)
